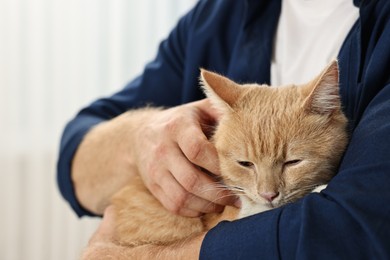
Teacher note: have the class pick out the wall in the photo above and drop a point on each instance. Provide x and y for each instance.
(55, 57)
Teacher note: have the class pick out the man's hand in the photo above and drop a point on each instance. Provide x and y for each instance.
(172, 151)
(168, 148)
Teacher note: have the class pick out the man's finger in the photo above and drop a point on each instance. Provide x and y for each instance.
(183, 199)
(198, 149)
(207, 109)
(198, 183)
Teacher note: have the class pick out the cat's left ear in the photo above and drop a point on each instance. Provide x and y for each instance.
(222, 91)
(323, 91)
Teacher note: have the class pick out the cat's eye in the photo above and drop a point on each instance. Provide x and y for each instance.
(292, 162)
(245, 164)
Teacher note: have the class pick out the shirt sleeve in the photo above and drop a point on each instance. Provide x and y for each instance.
(160, 84)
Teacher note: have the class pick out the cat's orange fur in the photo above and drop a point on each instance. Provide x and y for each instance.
(283, 141)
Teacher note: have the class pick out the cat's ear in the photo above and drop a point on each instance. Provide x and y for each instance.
(222, 91)
(323, 91)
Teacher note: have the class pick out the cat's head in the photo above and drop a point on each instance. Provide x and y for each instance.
(276, 144)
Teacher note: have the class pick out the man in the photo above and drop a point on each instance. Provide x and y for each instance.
(259, 41)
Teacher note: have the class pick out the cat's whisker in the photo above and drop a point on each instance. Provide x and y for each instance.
(235, 189)
(213, 187)
(224, 196)
(222, 187)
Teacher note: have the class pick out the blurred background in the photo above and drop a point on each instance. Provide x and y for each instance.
(55, 57)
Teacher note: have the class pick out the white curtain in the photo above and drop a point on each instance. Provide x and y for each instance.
(55, 57)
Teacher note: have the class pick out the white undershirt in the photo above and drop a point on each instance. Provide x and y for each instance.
(309, 35)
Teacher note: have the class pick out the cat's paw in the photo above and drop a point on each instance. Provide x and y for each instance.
(320, 188)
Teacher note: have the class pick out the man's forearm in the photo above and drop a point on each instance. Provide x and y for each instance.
(104, 161)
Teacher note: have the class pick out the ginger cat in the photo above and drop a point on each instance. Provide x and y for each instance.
(275, 145)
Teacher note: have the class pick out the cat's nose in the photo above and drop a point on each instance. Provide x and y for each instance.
(270, 196)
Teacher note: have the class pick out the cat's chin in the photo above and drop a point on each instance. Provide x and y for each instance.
(250, 207)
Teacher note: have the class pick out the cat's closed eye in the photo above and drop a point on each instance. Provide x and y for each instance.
(245, 164)
(292, 162)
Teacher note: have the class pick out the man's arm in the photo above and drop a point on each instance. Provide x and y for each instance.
(163, 146)
(161, 85)
(104, 161)
(169, 80)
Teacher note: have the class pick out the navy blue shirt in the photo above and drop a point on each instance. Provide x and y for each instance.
(348, 220)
